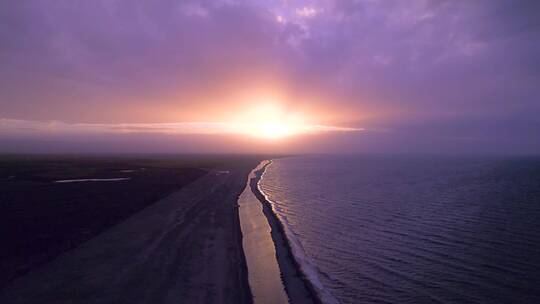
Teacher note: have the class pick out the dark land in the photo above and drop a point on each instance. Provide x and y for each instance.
(170, 232)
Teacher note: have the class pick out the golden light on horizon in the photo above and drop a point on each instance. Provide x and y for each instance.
(263, 119)
(269, 120)
(271, 130)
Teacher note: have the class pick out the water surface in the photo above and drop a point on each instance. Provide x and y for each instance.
(381, 229)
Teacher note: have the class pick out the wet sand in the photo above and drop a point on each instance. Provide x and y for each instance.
(263, 269)
(186, 248)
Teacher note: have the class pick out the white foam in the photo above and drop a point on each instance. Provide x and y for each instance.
(306, 267)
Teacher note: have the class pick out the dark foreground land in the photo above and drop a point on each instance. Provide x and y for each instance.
(111, 242)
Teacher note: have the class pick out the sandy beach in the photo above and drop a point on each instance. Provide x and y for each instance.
(264, 274)
(185, 248)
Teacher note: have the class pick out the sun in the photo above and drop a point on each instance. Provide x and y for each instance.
(273, 130)
(273, 122)
(266, 130)
(268, 121)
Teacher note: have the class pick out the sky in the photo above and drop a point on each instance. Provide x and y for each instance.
(371, 76)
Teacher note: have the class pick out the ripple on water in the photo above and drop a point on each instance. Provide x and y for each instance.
(377, 229)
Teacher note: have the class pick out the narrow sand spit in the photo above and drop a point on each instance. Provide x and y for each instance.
(263, 269)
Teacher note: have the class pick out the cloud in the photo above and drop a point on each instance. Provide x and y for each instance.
(394, 65)
(306, 12)
(29, 127)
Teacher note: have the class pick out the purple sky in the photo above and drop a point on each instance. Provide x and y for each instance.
(414, 76)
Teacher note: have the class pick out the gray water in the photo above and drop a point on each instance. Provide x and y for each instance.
(383, 229)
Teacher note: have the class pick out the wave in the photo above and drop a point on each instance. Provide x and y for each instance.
(308, 270)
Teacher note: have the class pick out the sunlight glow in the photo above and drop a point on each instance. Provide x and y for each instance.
(268, 120)
(274, 130)
(271, 130)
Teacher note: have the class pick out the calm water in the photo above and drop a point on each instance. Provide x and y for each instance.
(380, 229)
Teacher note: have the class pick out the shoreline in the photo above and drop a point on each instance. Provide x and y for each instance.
(298, 287)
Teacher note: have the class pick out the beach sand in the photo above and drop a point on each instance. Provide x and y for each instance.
(263, 269)
(185, 248)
